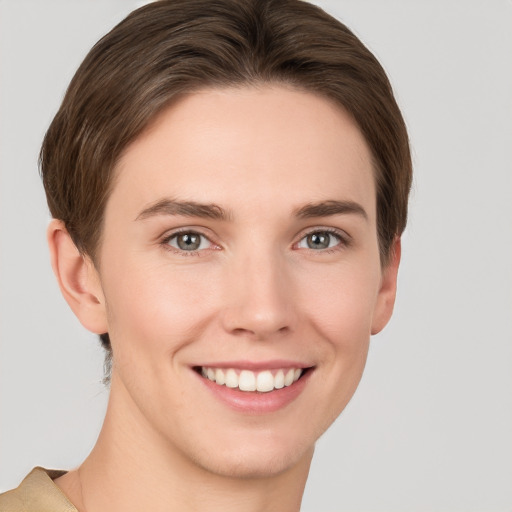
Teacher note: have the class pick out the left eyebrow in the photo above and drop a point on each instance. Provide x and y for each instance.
(185, 208)
(331, 207)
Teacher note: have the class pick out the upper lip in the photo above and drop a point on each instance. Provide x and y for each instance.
(274, 364)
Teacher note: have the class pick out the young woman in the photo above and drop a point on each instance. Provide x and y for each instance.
(228, 181)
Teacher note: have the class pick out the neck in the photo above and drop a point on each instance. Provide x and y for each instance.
(133, 468)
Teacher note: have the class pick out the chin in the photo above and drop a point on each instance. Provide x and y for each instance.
(263, 466)
(254, 460)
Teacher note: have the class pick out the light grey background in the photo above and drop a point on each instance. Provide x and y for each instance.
(430, 428)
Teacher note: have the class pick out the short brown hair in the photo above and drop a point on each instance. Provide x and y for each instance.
(170, 47)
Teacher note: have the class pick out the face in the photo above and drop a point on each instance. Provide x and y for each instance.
(240, 269)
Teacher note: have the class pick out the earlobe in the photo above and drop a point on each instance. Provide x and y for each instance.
(78, 279)
(387, 293)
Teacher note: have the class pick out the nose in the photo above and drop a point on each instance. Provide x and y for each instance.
(259, 298)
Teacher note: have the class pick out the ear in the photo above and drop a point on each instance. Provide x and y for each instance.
(78, 279)
(387, 293)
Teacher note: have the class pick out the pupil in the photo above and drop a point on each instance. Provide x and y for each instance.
(189, 242)
(318, 241)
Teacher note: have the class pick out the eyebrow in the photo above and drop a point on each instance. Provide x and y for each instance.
(331, 207)
(216, 212)
(185, 208)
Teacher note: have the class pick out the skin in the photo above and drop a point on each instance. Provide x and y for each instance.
(254, 291)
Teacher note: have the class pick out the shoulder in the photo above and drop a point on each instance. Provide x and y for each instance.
(37, 493)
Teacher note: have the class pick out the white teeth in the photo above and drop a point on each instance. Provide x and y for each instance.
(220, 376)
(288, 378)
(246, 380)
(265, 382)
(231, 379)
(279, 380)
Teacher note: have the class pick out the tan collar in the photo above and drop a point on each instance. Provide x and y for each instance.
(37, 493)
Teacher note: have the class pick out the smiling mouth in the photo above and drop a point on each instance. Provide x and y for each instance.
(249, 381)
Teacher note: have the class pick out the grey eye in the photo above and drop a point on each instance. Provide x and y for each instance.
(319, 240)
(189, 241)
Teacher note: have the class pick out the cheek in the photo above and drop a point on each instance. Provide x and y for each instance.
(155, 309)
(341, 303)
(341, 313)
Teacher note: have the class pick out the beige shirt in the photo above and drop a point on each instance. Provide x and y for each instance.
(37, 493)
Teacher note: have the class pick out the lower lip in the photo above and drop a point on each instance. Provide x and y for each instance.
(256, 402)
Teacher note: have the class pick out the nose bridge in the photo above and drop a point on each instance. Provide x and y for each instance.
(260, 297)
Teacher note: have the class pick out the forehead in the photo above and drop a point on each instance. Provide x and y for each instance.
(234, 144)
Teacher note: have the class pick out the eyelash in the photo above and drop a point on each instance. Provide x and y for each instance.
(344, 241)
(185, 231)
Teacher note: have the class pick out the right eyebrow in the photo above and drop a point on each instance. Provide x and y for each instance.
(186, 208)
(331, 207)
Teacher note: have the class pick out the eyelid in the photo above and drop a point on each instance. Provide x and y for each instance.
(169, 235)
(344, 238)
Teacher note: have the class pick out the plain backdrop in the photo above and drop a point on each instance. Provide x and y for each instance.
(430, 427)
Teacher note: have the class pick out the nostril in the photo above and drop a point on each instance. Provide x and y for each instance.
(261, 311)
